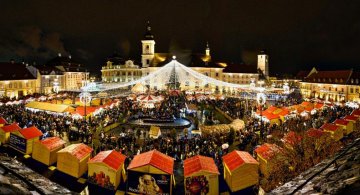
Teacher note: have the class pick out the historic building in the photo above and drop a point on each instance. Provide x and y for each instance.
(61, 74)
(340, 85)
(119, 70)
(17, 80)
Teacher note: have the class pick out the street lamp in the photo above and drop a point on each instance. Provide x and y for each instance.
(84, 98)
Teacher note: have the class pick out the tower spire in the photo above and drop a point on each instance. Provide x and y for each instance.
(148, 34)
(207, 49)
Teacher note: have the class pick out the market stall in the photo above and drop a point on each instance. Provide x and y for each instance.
(240, 170)
(356, 113)
(154, 132)
(335, 131)
(45, 150)
(5, 132)
(265, 155)
(347, 126)
(2, 121)
(45, 106)
(107, 169)
(23, 140)
(73, 159)
(150, 173)
(355, 120)
(201, 175)
(290, 139)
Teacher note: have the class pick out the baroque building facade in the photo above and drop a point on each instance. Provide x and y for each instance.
(118, 70)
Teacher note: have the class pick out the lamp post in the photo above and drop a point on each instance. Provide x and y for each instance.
(84, 98)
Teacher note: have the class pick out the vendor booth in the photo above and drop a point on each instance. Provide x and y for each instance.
(290, 139)
(150, 173)
(356, 113)
(201, 175)
(73, 159)
(45, 106)
(241, 170)
(23, 140)
(154, 132)
(347, 126)
(45, 150)
(335, 131)
(265, 155)
(318, 137)
(5, 132)
(106, 169)
(2, 121)
(355, 120)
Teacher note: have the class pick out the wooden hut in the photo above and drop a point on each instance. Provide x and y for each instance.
(266, 153)
(201, 175)
(73, 159)
(45, 150)
(290, 139)
(23, 139)
(150, 173)
(106, 169)
(240, 170)
(3, 122)
(347, 126)
(355, 120)
(5, 132)
(154, 132)
(335, 131)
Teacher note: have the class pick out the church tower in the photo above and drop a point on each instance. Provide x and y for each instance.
(148, 47)
(263, 63)
(207, 49)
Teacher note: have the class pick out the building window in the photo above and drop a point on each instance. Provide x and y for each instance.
(147, 61)
(351, 90)
(329, 88)
(342, 89)
(357, 90)
(217, 74)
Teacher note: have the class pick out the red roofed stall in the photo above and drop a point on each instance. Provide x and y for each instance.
(150, 173)
(23, 140)
(5, 132)
(290, 139)
(2, 121)
(73, 159)
(240, 170)
(201, 175)
(265, 155)
(45, 150)
(346, 125)
(335, 131)
(106, 169)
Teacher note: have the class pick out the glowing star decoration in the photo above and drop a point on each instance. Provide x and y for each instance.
(85, 97)
(261, 98)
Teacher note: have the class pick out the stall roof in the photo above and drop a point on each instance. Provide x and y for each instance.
(77, 150)
(154, 158)
(236, 158)
(110, 157)
(267, 151)
(351, 117)
(329, 127)
(317, 133)
(30, 132)
(89, 109)
(341, 122)
(292, 138)
(2, 120)
(60, 108)
(52, 143)
(356, 112)
(199, 163)
(11, 128)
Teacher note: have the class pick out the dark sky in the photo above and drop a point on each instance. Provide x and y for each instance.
(296, 34)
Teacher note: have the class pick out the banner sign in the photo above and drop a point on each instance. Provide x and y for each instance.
(17, 142)
(146, 183)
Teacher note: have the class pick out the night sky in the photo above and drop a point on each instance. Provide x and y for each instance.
(296, 34)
